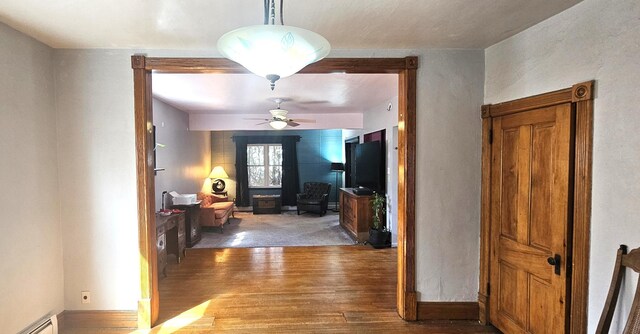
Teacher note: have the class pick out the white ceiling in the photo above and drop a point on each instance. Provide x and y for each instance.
(197, 24)
(250, 94)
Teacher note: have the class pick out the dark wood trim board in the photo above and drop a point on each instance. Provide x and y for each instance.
(406, 68)
(581, 97)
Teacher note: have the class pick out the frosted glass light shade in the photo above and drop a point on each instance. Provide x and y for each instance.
(273, 50)
(278, 125)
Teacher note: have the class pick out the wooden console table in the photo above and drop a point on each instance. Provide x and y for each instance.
(355, 213)
(170, 239)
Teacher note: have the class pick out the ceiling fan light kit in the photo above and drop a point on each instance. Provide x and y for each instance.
(278, 124)
(273, 51)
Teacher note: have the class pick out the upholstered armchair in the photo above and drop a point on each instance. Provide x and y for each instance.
(314, 198)
(214, 210)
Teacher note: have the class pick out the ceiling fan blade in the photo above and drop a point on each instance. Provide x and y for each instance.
(313, 102)
(256, 119)
(292, 123)
(302, 120)
(263, 123)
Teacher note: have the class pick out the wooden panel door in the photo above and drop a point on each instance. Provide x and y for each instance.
(530, 217)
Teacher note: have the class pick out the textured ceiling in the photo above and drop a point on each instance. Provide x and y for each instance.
(197, 24)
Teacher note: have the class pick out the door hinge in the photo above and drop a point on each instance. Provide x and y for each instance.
(491, 136)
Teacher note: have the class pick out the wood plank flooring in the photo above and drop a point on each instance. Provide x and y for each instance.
(338, 289)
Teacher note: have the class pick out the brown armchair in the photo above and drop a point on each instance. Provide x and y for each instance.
(314, 198)
(214, 210)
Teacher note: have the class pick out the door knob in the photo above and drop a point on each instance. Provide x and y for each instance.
(555, 261)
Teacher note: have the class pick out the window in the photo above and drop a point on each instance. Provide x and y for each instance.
(264, 165)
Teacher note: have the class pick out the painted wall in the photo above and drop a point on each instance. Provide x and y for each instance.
(596, 39)
(186, 156)
(450, 94)
(94, 103)
(316, 150)
(376, 119)
(450, 90)
(31, 282)
(97, 177)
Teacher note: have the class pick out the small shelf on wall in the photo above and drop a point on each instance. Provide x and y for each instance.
(156, 145)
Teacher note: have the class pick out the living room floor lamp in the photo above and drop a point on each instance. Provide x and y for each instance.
(337, 167)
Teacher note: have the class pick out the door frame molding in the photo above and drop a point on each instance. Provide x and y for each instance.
(581, 97)
(406, 68)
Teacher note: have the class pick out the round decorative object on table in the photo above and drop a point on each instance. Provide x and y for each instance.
(218, 185)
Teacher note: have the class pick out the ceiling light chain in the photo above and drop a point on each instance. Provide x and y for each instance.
(273, 51)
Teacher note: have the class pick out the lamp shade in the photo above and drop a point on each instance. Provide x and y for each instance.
(278, 125)
(273, 51)
(337, 166)
(218, 173)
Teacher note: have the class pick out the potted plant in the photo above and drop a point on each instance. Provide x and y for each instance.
(379, 236)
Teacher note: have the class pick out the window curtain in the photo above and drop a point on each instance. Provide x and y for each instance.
(242, 177)
(290, 180)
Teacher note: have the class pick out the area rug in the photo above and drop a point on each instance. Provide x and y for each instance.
(286, 229)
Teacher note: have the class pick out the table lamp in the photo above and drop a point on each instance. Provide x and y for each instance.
(217, 174)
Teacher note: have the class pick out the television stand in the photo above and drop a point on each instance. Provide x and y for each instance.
(355, 213)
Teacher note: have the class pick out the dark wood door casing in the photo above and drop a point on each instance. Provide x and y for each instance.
(580, 98)
(406, 68)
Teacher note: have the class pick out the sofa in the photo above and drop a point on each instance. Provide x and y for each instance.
(215, 210)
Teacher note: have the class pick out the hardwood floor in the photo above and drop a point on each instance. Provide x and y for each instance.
(337, 289)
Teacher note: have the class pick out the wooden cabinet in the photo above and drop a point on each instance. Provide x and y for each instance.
(266, 204)
(170, 239)
(192, 223)
(355, 213)
(161, 248)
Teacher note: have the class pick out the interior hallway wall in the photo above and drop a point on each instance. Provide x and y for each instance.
(94, 92)
(185, 157)
(596, 39)
(31, 282)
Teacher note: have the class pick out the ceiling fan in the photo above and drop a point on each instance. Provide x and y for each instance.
(279, 119)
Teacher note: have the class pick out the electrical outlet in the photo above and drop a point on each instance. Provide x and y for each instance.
(86, 297)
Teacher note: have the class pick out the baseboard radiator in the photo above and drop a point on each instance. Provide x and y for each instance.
(46, 325)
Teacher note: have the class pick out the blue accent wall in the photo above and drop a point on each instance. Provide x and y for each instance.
(317, 149)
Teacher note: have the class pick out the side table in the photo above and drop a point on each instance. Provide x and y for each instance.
(192, 222)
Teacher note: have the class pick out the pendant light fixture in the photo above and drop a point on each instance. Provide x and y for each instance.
(273, 51)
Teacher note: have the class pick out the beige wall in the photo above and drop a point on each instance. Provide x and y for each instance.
(596, 39)
(94, 96)
(450, 86)
(97, 176)
(186, 156)
(94, 99)
(31, 279)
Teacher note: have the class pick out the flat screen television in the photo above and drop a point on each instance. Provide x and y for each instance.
(367, 167)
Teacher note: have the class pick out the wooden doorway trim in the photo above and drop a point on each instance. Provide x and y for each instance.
(581, 97)
(406, 68)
